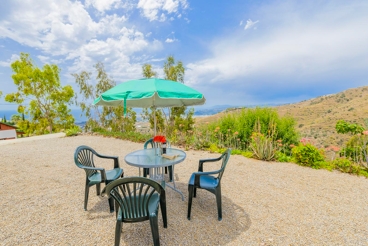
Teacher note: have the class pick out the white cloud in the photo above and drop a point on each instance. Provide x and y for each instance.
(66, 31)
(249, 24)
(152, 9)
(103, 5)
(295, 49)
(7, 63)
(169, 40)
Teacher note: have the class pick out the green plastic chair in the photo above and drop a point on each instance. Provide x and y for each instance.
(137, 199)
(84, 158)
(150, 143)
(210, 181)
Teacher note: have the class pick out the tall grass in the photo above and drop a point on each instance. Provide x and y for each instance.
(235, 129)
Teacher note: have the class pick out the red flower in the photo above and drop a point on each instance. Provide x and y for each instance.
(160, 139)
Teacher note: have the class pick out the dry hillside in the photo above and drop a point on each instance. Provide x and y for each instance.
(316, 118)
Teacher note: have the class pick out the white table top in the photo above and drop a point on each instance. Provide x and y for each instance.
(146, 158)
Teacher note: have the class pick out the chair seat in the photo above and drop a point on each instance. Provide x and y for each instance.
(110, 176)
(206, 181)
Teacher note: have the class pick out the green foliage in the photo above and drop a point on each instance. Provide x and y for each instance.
(308, 155)
(347, 166)
(101, 117)
(345, 127)
(235, 129)
(15, 118)
(215, 149)
(147, 71)
(73, 131)
(282, 157)
(47, 100)
(170, 119)
(343, 164)
(247, 154)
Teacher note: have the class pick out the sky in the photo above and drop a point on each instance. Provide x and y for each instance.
(239, 53)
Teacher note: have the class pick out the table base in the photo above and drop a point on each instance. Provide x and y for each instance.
(158, 174)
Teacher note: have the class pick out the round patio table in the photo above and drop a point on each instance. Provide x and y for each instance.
(148, 158)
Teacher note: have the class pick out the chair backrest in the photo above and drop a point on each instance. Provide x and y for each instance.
(225, 158)
(83, 157)
(133, 195)
(150, 143)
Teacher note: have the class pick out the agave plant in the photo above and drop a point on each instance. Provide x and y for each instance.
(263, 147)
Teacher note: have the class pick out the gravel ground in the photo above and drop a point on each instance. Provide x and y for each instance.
(264, 203)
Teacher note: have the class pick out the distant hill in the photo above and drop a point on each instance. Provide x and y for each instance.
(316, 118)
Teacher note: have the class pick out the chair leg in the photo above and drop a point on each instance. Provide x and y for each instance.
(111, 204)
(154, 228)
(118, 229)
(86, 192)
(170, 173)
(219, 203)
(164, 213)
(145, 172)
(190, 190)
(98, 189)
(195, 192)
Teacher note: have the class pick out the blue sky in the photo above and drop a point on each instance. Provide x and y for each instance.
(235, 52)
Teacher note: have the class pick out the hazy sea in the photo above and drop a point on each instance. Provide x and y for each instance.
(80, 120)
(9, 113)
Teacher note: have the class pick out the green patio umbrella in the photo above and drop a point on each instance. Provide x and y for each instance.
(153, 92)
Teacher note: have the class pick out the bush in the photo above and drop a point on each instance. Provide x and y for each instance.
(235, 129)
(282, 157)
(308, 155)
(73, 131)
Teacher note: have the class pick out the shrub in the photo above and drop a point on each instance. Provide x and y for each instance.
(73, 131)
(235, 129)
(282, 157)
(343, 165)
(308, 155)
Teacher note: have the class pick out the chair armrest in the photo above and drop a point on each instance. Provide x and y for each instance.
(100, 169)
(200, 166)
(197, 176)
(115, 158)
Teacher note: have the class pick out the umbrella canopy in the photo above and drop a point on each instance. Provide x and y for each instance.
(153, 92)
(145, 93)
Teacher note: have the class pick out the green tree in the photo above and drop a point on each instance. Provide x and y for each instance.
(97, 116)
(41, 96)
(15, 118)
(147, 71)
(176, 118)
(345, 127)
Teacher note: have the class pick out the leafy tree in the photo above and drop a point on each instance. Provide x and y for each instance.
(15, 118)
(345, 127)
(97, 116)
(41, 96)
(176, 118)
(147, 71)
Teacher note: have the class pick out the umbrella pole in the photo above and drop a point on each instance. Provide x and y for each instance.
(154, 120)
